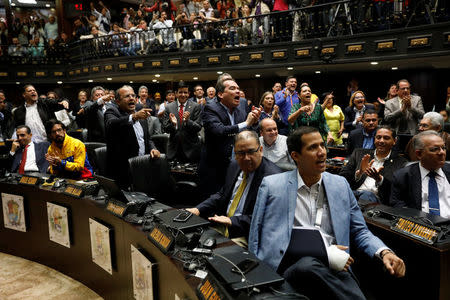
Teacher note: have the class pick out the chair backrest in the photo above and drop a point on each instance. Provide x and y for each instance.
(161, 142)
(90, 150)
(151, 176)
(99, 160)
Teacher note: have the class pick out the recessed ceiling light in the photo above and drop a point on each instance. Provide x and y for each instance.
(157, 75)
(219, 72)
(374, 63)
(195, 78)
(257, 75)
(27, 1)
(131, 81)
(59, 82)
(394, 68)
(290, 68)
(47, 5)
(109, 78)
(317, 72)
(17, 82)
(13, 4)
(154, 80)
(90, 80)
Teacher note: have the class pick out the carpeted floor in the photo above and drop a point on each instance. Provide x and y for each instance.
(21, 279)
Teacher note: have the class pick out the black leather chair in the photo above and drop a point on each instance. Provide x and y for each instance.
(99, 160)
(161, 142)
(152, 176)
(90, 150)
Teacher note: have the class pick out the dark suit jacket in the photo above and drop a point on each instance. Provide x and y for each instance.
(121, 143)
(40, 149)
(355, 140)
(218, 202)
(407, 186)
(219, 135)
(185, 138)
(46, 109)
(7, 124)
(95, 121)
(391, 165)
(350, 114)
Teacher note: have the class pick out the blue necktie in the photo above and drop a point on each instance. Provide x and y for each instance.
(433, 194)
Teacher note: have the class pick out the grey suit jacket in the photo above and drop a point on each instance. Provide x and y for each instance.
(404, 122)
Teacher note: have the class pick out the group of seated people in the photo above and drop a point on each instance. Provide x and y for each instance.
(191, 25)
(250, 196)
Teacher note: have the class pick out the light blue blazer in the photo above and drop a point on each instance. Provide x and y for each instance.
(273, 217)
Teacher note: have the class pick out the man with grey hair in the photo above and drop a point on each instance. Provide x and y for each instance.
(424, 185)
(145, 101)
(126, 134)
(404, 111)
(233, 205)
(430, 121)
(94, 111)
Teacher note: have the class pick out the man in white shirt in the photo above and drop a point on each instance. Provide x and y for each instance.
(425, 185)
(27, 156)
(274, 144)
(36, 112)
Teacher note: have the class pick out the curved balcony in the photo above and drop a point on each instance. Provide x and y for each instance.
(335, 36)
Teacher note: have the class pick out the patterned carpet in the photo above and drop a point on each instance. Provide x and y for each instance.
(21, 279)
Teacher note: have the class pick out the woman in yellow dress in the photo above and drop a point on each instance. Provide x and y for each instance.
(335, 118)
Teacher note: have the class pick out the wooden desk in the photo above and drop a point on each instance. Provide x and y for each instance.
(427, 267)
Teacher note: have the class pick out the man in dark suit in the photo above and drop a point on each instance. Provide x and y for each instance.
(182, 120)
(363, 137)
(6, 120)
(233, 205)
(126, 134)
(145, 100)
(36, 112)
(95, 112)
(198, 95)
(369, 172)
(27, 156)
(424, 185)
(222, 120)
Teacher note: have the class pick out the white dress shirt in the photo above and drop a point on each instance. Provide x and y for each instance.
(33, 120)
(443, 190)
(30, 163)
(139, 131)
(370, 184)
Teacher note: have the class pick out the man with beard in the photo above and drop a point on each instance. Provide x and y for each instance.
(126, 134)
(66, 155)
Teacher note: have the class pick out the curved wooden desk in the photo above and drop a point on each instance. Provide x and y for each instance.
(76, 261)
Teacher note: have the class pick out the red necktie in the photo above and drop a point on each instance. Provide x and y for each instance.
(23, 161)
(180, 113)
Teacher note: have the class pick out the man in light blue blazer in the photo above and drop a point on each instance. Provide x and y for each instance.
(291, 200)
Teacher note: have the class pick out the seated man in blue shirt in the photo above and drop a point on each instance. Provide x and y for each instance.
(364, 137)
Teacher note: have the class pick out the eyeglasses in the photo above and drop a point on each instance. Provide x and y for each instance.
(424, 125)
(243, 153)
(437, 149)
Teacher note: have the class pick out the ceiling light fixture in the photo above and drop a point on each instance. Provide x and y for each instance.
(195, 78)
(257, 75)
(90, 80)
(17, 82)
(374, 63)
(59, 82)
(131, 81)
(317, 72)
(394, 68)
(109, 78)
(219, 72)
(290, 68)
(157, 75)
(27, 1)
(154, 80)
(47, 5)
